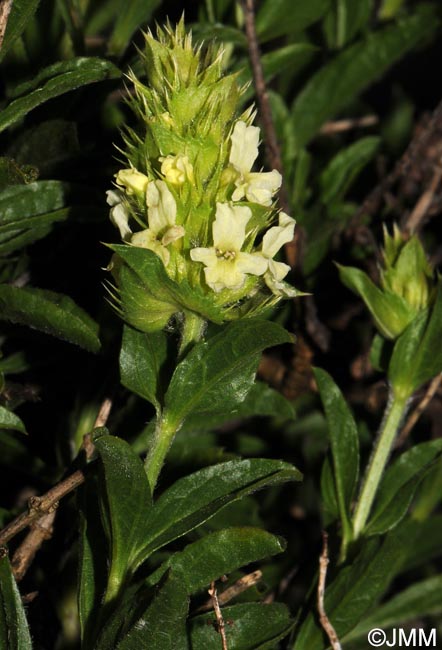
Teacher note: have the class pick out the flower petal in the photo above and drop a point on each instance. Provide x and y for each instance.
(161, 206)
(147, 239)
(278, 270)
(244, 149)
(224, 275)
(277, 236)
(171, 235)
(229, 227)
(255, 264)
(132, 180)
(119, 216)
(205, 255)
(261, 186)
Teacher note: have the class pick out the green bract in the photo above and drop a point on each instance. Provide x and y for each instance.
(407, 284)
(193, 216)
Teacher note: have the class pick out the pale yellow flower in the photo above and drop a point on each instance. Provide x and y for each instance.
(226, 266)
(161, 216)
(272, 241)
(177, 169)
(132, 180)
(119, 214)
(257, 187)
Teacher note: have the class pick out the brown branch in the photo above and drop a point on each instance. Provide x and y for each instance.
(323, 618)
(5, 9)
(41, 530)
(417, 412)
(221, 626)
(417, 216)
(273, 151)
(340, 126)
(48, 503)
(234, 590)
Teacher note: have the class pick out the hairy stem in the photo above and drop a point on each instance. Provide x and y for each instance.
(392, 420)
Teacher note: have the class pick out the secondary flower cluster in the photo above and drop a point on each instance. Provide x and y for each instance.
(189, 194)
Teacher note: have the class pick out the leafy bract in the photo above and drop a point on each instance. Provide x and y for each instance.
(14, 632)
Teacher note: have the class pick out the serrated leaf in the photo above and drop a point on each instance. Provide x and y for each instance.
(219, 373)
(337, 84)
(193, 499)
(131, 15)
(20, 14)
(418, 601)
(49, 312)
(141, 359)
(128, 501)
(417, 354)
(278, 17)
(8, 420)
(345, 167)
(399, 484)
(252, 626)
(218, 554)
(344, 443)
(55, 81)
(14, 632)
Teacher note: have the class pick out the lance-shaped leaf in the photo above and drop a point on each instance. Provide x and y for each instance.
(14, 632)
(344, 443)
(218, 374)
(128, 502)
(20, 14)
(141, 359)
(54, 81)
(8, 420)
(399, 484)
(193, 499)
(131, 15)
(49, 312)
(251, 626)
(345, 77)
(218, 554)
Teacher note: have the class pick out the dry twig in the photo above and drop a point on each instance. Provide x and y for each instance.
(420, 408)
(323, 618)
(221, 626)
(41, 530)
(417, 216)
(5, 9)
(340, 126)
(234, 590)
(48, 503)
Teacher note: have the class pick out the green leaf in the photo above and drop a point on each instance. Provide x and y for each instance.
(219, 373)
(344, 443)
(428, 543)
(21, 13)
(345, 19)
(390, 312)
(141, 359)
(193, 499)
(163, 625)
(132, 14)
(260, 401)
(128, 500)
(14, 632)
(49, 312)
(29, 211)
(218, 554)
(417, 355)
(278, 17)
(9, 420)
(345, 167)
(252, 626)
(420, 600)
(358, 586)
(56, 80)
(399, 484)
(345, 77)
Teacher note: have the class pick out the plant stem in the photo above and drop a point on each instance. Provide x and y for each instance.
(395, 412)
(191, 332)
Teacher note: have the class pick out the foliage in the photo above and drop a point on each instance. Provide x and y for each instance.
(225, 453)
